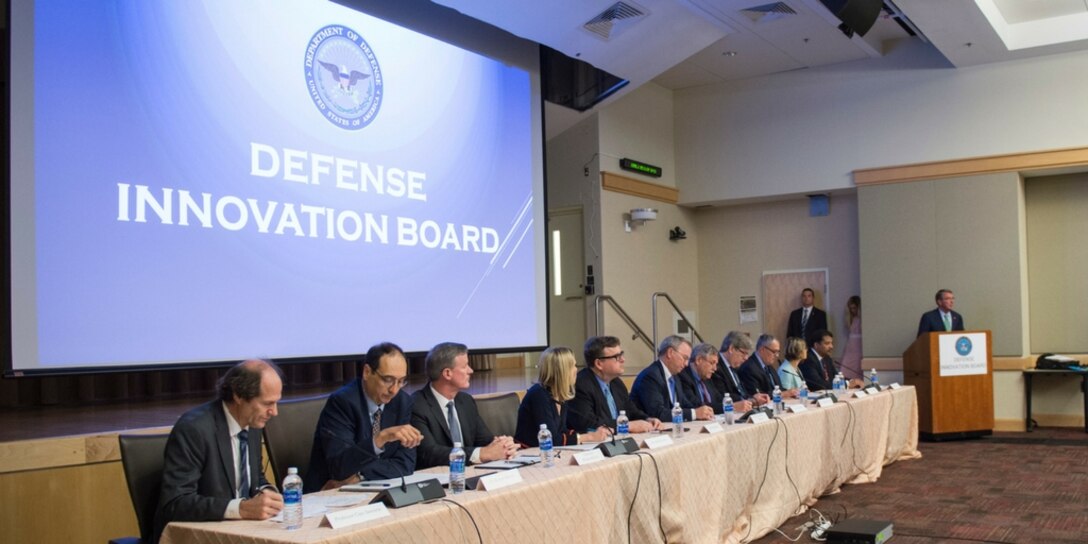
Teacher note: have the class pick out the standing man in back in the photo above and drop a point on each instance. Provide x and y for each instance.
(807, 319)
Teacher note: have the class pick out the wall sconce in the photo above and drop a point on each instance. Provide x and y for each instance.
(638, 216)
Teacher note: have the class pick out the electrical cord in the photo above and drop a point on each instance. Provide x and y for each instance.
(638, 483)
(786, 463)
(462, 507)
(766, 469)
(854, 439)
(660, 500)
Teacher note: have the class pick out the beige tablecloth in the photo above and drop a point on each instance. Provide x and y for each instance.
(734, 486)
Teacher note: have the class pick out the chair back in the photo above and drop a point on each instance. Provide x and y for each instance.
(142, 462)
(289, 436)
(500, 413)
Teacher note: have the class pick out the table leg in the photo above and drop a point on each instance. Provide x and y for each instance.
(1027, 400)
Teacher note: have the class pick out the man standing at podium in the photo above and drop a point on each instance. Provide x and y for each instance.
(942, 318)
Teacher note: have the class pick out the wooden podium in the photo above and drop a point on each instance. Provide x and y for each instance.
(955, 400)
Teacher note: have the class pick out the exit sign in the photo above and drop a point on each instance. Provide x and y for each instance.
(640, 167)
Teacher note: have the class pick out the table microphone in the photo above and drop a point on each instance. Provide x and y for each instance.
(405, 495)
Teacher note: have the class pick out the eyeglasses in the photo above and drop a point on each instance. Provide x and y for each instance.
(774, 351)
(390, 381)
(616, 356)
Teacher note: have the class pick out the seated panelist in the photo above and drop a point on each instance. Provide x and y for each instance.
(546, 403)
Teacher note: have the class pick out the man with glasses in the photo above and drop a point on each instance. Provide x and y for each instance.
(445, 414)
(658, 387)
(599, 393)
(735, 349)
(364, 432)
(760, 372)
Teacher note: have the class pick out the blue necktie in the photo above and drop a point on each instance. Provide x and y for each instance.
(611, 401)
(243, 463)
(455, 426)
(672, 388)
(740, 388)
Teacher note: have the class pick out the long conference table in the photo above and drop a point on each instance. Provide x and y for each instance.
(732, 486)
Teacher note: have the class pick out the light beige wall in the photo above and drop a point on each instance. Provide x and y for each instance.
(640, 126)
(962, 234)
(738, 243)
(1057, 262)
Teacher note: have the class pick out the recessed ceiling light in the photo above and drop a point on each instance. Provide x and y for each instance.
(730, 53)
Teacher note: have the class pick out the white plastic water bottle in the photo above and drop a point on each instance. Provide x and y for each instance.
(546, 452)
(874, 379)
(803, 392)
(837, 384)
(292, 500)
(776, 397)
(457, 469)
(677, 421)
(727, 409)
(622, 423)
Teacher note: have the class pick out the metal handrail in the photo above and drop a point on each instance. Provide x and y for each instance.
(684, 318)
(623, 315)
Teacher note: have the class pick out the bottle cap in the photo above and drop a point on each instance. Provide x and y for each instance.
(543, 426)
(457, 444)
(292, 470)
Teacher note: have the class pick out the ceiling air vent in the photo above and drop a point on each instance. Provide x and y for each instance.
(768, 12)
(617, 18)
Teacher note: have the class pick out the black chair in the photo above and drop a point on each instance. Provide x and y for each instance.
(142, 461)
(500, 413)
(290, 435)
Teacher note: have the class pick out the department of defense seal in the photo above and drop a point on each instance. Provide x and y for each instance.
(343, 77)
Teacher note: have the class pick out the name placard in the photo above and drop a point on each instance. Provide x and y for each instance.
(657, 442)
(872, 390)
(797, 408)
(354, 516)
(824, 402)
(758, 417)
(860, 393)
(895, 385)
(583, 458)
(499, 480)
(711, 428)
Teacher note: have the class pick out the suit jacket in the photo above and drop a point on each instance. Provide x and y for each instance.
(344, 440)
(431, 421)
(538, 407)
(689, 382)
(755, 379)
(817, 320)
(198, 468)
(723, 381)
(650, 392)
(812, 369)
(589, 408)
(931, 322)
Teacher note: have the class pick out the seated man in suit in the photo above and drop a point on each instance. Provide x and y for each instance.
(941, 318)
(807, 319)
(599, 393)
(212, 462)
(365, 431)
(696, 384)
(760, 372)
(445, 414)
(736, 346)
(818, 368)
(657, 387)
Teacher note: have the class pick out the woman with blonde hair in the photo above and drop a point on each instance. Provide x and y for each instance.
(789, 372)
(851, 355)
(546, 402)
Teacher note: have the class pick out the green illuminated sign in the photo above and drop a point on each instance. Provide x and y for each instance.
(640, 167)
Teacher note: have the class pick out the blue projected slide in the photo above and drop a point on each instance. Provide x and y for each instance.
(208, 181)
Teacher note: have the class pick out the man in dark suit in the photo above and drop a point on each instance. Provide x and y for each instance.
(657, 388)
(365, 431)
(212, 462)
(735, 348)
(445, 414)
(759, 373)
(818, 369)
(599, 393)
(941, 318)
(695, 381)
(807, 319)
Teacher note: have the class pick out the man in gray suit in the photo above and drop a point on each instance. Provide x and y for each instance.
(212, 463)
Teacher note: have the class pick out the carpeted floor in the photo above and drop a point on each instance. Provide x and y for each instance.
(1008, 488)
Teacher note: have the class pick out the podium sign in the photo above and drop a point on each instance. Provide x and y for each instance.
(963, 354)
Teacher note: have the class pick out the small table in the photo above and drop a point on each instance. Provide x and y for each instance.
(1030, 373)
